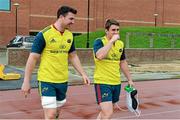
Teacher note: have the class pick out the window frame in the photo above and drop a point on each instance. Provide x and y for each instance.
(8, 9)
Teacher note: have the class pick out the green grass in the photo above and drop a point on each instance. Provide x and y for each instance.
(137, 41)
(81, 40)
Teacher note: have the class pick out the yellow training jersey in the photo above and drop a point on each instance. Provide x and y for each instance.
(107, 70)
(54, 58)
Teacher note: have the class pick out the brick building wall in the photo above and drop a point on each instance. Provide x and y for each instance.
(34, 15)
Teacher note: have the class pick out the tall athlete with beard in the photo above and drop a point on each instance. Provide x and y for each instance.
(53, 45)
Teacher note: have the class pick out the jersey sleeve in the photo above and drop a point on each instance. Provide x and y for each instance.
(72, 48)
(38, 44)
(97, 45)
(123, 56)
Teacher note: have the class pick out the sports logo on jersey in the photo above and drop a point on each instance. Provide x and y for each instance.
(69, 41)
(52, 40)
(62, 46)
(120, 50)
(114, 55)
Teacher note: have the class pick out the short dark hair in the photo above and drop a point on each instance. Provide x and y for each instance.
(63, 10)
(110, 22)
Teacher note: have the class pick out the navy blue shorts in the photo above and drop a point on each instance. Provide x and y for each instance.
(57, 90)
(107, 92)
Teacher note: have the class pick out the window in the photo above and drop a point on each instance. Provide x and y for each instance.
(5, 5)
(29, 39)
(33, 33)
(20, 40)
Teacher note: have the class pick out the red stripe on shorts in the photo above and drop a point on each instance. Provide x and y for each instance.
(99, 94)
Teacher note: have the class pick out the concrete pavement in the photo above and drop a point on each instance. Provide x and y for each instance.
(75, 79)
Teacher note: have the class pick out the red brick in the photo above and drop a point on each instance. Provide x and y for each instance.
(129, 12)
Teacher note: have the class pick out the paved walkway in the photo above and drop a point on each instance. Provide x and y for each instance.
(75, 79)
(158, 100)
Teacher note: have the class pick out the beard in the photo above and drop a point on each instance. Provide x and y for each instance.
(68, 26)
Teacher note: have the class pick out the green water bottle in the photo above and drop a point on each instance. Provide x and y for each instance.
(128, 88)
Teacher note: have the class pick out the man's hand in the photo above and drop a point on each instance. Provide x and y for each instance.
(131, 83)
(115, 38)
(86, 80)
(26, 88)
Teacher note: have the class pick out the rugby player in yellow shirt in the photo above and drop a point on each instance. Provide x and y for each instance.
(53, 45)
(109, 57)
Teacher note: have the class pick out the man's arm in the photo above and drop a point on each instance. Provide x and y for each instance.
(125, 70)
(102, 52)
(30, 65)
(74, 59)
(37, 48)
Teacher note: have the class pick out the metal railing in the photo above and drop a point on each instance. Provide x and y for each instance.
(153, 39)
